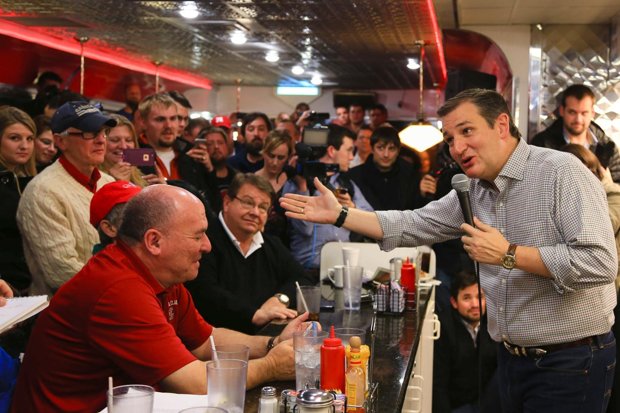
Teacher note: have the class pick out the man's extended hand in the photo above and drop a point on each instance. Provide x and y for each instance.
(322, 209)
(484, 243)
(270, 310)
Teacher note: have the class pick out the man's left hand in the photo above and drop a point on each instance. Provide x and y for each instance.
(484, 243)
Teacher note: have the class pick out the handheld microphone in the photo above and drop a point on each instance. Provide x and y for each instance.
(460, 183)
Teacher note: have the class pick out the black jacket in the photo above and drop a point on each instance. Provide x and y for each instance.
(13, 266)
(397, 189)
(456, 363)
(606, 150)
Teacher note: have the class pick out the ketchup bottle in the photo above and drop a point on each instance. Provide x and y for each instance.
(332, 363)
(407, 280)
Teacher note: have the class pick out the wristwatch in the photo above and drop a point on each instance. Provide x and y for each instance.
(509, 260)
(283, 298)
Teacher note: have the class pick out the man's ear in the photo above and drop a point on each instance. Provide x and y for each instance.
(331, 151)
(502, 123)
(153, 241)
(453, 302)
(108, 229)
(226, 200)
(60, 141)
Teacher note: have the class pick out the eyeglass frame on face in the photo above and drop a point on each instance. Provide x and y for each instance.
(249, 205)
(82, 134)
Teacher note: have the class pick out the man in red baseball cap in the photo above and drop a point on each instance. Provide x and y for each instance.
(106, 210)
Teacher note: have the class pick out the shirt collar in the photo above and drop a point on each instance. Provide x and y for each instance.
(89, 183)
(140, 267)
(514, 168)
(592, 139)
(473, 331)
(257, 239)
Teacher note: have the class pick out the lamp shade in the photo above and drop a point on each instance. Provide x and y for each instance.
(420, 136)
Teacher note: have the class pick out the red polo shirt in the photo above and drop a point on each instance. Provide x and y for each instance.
(111, 319)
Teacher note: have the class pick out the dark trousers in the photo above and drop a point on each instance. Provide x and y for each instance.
(572, 380)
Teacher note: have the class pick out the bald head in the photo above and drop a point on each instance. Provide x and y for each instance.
(156, 206)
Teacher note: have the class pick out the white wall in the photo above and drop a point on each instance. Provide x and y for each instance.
(515, 43)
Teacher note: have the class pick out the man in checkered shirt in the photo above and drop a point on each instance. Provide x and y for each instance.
(545, 246)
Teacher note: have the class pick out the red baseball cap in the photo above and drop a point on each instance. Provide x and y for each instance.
(221, 122)
(108, 197)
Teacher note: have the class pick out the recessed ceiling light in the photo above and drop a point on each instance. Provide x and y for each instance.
(316, 79)
(189, 10)
(297, 70)
(272, 56)
(238, 37)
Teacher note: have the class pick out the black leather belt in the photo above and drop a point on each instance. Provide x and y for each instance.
(537, 352)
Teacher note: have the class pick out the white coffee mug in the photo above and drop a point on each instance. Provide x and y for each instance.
(335, 275)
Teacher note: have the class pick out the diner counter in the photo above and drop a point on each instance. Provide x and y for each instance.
(393, 344)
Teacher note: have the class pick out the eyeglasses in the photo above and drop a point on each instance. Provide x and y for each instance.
(249, 204)
(87, 136)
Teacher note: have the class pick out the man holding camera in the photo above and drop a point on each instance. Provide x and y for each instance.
(307, 239)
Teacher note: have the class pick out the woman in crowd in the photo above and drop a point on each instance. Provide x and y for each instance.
(44, 149)
(17, 167)
(612, 189)
(122, 136)
(277, 150)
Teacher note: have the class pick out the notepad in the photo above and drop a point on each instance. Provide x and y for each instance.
(19, 309)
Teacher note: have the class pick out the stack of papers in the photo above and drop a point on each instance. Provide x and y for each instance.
(19, 309)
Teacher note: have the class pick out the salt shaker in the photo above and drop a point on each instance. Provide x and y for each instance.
(268, 402)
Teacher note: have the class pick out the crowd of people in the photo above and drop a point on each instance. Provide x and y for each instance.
(152, 257)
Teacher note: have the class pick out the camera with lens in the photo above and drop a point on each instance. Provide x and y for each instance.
(317, 118)
(309, 151)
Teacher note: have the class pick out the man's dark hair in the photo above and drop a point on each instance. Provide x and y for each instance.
(578, 92)
(356, 104)
(379, 106)
(490, 105)
(144, 211)
(460, 281)
(180, 99)
(336, 135)
(63, 97)
(115, 216)
(193, 122)
(385, 134)
(251, 117)
(48, 75)
(256, 181)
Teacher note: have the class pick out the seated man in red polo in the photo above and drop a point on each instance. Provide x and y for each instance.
(127, 315)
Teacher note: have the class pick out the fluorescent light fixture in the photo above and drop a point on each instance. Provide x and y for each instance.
(298, 91)
(316, 79)
(297, 70)
(189, 10)
(238, 37)
(412, 64)
(272, 56)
